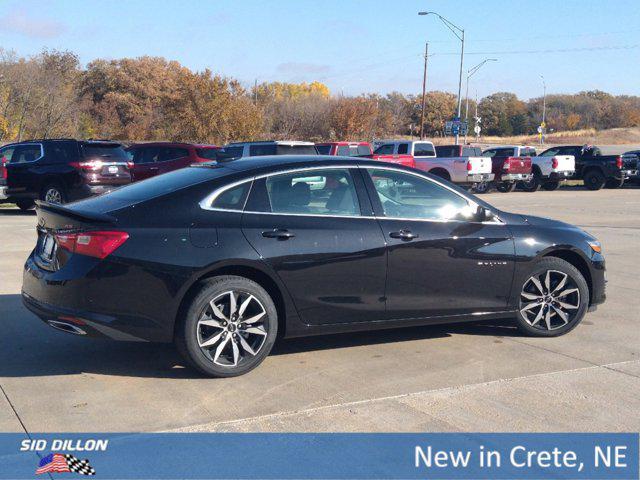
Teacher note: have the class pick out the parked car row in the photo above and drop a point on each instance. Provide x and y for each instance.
(63, 170)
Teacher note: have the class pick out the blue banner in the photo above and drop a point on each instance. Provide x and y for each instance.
(320, 456)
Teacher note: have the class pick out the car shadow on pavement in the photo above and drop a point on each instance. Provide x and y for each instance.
(32, 349)
(16, 212)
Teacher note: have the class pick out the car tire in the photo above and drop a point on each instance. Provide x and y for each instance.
(440, 173)
(552, 312)
(614, 183)
(53, 193)
(25, 205)
(481, 188)
(594, 180)
(217, 342)
(533, 185)
(551, 186)
(506, 187)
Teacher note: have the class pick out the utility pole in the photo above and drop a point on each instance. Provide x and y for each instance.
(459, 33)
(470, 72)
(543, 125)
(424, 90)
(255, 92)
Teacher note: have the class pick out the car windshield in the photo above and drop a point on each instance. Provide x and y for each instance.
(114, 151)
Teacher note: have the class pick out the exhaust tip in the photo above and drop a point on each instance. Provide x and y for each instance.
(66, 327)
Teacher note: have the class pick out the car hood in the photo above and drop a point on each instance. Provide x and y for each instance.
(550, 223)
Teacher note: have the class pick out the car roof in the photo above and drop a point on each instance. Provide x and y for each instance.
(268, 163)
(341, 143)
(163, 144)
(275, 142)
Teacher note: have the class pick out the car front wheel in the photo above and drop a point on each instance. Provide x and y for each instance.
(229, 328)
(553, 299)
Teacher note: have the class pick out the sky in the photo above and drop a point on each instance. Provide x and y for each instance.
(353, 46)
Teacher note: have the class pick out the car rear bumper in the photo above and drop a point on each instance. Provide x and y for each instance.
(480, 177)
(92, 296)
(558, 176)
(515, 177)
(3, 193)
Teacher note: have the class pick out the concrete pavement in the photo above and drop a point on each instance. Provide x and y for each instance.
(481, 377)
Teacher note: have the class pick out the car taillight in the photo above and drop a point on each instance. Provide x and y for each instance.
(469, 167)
(619, 162)
(93, 244)
(91, 165)
(3, 170)
(130, 165)
(507, 164)
(554, 163)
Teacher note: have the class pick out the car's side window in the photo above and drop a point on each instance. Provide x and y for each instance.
(489, 153)
(26, 153)
(403, 149)
(313, 192)
(5, 154)
(423, 150)
(386, 149)
(343, 150)
(232, 199)
(260, 150)
(403, 195)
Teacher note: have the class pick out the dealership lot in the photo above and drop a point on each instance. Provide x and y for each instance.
(458, 377)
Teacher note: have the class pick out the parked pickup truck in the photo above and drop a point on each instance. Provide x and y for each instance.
(548, 170)
(459, 164)
(636, 177)
(508, 168)
(597, 170)
(403, 152)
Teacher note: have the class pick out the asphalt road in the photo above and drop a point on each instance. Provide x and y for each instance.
(458, 377)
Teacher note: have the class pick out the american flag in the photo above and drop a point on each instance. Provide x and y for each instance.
(54, 462)
(61, 463)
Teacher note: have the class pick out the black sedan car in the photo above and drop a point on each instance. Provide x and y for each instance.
(223, 258)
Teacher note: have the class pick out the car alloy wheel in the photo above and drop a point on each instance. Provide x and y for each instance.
(550, 300)
(232, 328)
(53, 195)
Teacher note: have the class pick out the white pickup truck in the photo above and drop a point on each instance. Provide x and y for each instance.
(548, 170)
(462, 164)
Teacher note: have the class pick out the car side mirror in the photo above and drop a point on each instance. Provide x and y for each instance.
(481, 214)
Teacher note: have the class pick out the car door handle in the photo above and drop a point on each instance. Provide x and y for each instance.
(404, 235)
(153, 168)
(278, 233)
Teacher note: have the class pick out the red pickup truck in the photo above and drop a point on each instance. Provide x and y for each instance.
(508, 169)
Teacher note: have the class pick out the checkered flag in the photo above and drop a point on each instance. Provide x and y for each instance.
(79, 466)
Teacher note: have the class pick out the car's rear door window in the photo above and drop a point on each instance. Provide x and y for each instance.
(386, 149)
(26, 153)
(261, 150)
(313, 192)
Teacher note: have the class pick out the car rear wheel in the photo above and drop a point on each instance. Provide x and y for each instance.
(229, 327)
(553, 299)
(481, 187)
(551, 186)
(594, 180)
(506, 187)
(25, 205)
(533, 184)
(614, 183)
(53, 193)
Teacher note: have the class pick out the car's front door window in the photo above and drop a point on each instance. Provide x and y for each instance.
(403, 195)
(313, 192)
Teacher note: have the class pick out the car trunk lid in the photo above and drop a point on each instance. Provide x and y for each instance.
(478, 165)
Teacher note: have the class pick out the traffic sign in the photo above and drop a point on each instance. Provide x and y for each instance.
(543, 124)
(477, 129)
(539, 129)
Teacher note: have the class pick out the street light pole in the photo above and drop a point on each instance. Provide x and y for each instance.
(470, 72)
(459, 33)
(424, 90)
(543, 125)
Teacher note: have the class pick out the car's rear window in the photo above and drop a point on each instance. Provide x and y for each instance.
(153, 187)
(296, 150)
(105, 150)
(208, 153)
(323, 149)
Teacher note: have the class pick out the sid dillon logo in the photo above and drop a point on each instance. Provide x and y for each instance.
(58, 462)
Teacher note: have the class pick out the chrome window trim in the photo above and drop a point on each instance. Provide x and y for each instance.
(206, 202)
(420, 175)
(28, 145)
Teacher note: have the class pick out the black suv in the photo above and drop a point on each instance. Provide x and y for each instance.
(61, 170)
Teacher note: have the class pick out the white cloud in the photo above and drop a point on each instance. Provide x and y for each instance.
(20, 22)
